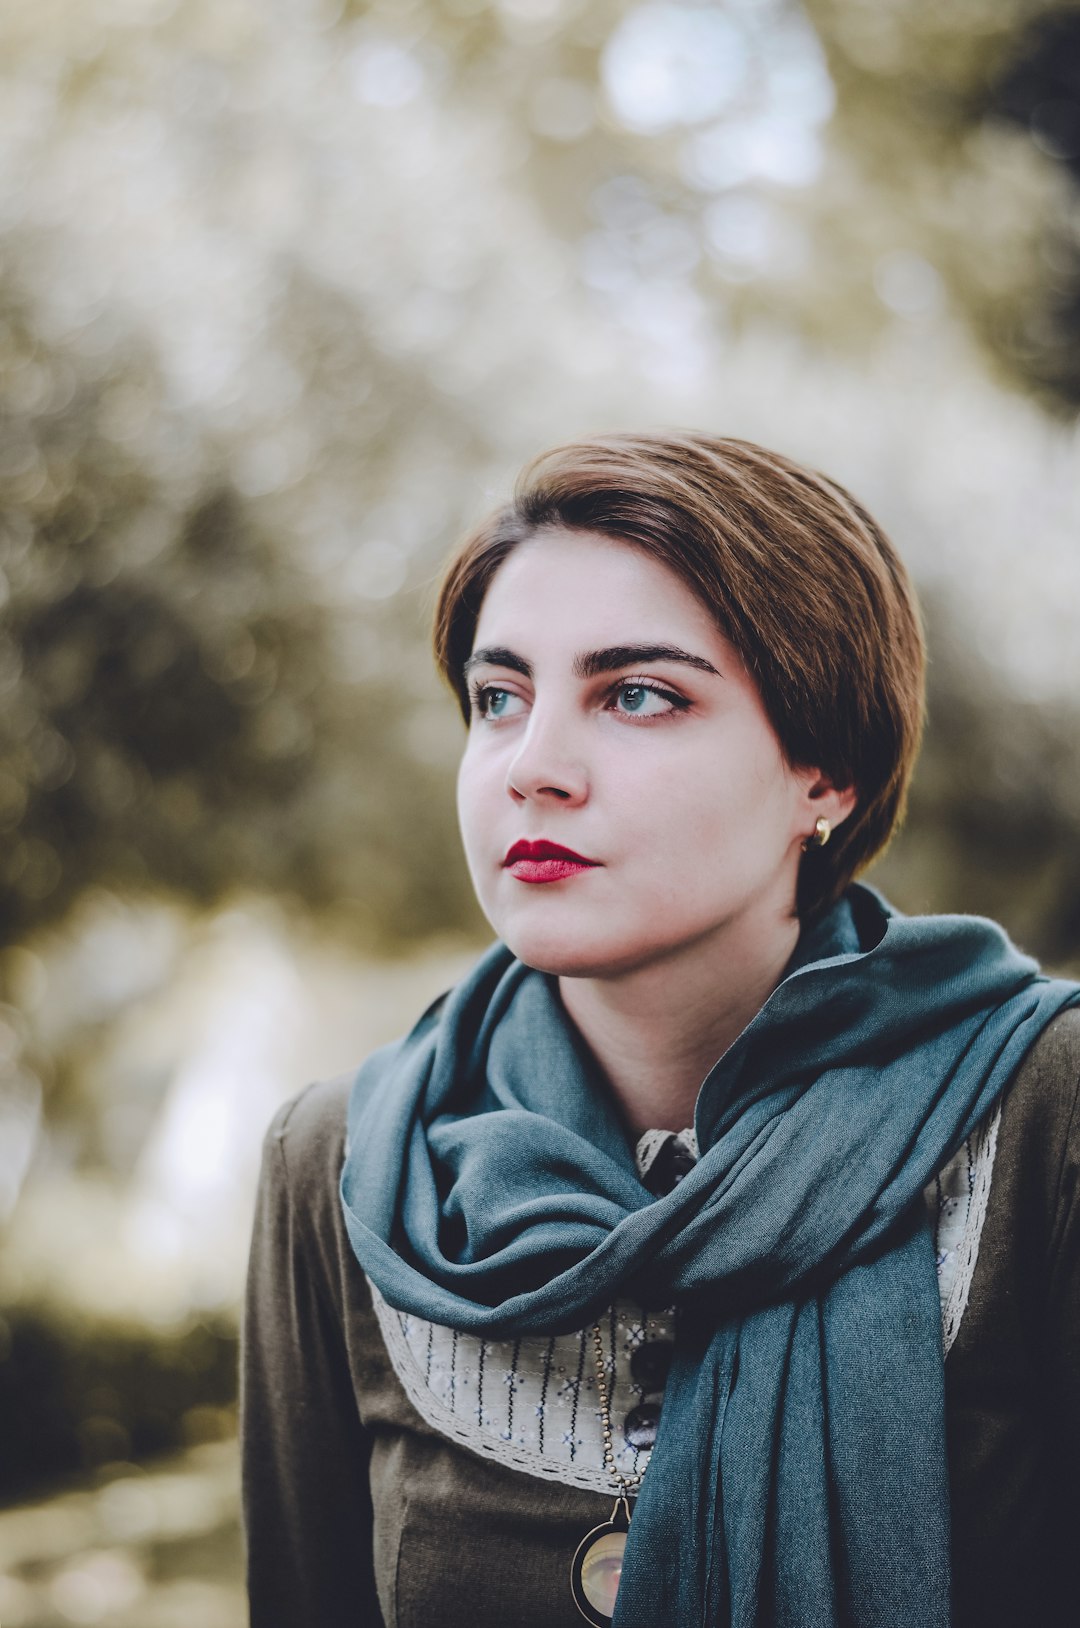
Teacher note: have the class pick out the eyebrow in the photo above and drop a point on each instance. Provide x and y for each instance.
(593, 662)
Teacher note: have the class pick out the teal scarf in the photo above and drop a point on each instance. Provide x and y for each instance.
(799, 1476)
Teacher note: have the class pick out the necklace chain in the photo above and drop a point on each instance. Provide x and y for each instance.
(628, 1485)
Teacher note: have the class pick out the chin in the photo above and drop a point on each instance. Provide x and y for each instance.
(568, 954)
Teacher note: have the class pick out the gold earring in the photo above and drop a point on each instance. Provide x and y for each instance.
(822, 833)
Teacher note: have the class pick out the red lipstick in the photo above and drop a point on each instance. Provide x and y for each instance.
(545, 862)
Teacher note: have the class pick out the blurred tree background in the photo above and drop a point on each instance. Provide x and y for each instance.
(287, 294)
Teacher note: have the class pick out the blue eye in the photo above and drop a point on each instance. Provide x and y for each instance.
(637, 696)
(492, 703)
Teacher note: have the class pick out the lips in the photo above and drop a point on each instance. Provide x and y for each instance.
(545, 862)
(545, 850)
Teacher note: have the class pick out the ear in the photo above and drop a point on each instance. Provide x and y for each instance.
(824, 797)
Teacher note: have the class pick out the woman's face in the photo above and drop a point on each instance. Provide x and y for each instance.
(664, 772)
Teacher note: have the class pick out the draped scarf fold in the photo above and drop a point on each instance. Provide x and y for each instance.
(799, 1477)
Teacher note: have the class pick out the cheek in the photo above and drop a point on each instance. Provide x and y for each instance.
(466, 798)
(736, 801)
(479, 785)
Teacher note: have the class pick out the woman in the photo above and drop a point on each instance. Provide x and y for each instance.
(635, 1266)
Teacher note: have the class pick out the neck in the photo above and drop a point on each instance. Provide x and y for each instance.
(657, 1030)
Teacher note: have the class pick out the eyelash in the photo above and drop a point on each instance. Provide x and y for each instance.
(679, 703)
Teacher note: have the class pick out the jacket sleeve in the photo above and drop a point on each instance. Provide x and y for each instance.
(304, 1453)
(1063, 1298)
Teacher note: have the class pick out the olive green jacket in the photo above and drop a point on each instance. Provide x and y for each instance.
(358, 1514)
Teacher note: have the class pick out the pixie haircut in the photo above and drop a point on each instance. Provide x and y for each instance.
(797, 576)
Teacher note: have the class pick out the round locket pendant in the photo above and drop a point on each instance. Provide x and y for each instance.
(597, 1567)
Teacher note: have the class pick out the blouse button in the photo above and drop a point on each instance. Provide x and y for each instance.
(641, 1424)
(649, 1364)
(673, 1162)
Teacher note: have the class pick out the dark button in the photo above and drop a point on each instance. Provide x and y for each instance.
(672, 1163)
(649, 1364)
(640, 1426)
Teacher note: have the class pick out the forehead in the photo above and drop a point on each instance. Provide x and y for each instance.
(585, 586)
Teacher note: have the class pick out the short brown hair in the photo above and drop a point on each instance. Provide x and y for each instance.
(797, 575)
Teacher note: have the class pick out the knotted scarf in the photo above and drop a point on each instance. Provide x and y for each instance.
(799, 1477)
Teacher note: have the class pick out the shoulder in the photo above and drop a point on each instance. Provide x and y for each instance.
(1059, 1043)
(304, 1144)
(299, 1212)
(313, 1121)
(1046, 1084)
(1038, 1140)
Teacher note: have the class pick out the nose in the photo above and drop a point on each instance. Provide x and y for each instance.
(545, 766)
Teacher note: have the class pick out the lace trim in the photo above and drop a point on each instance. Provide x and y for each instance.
(985, 1147)
(571, 1411)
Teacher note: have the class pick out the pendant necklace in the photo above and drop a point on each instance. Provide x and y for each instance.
(597, 1564)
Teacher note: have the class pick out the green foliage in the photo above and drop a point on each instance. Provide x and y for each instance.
(76, 1398)
(176, 714)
